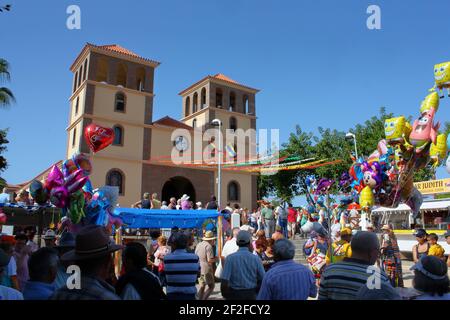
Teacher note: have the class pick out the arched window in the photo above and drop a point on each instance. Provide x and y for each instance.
(101, 74)
(233, 191)
(77, 102)
(116, 178)
(194, 102)
(85, 69)
(194, 123)
(121, 79)
(245, 104)
(233, 123)
(187, 106)
(120, 103)
(219, 96)
(232, 101)
(203, 98)
(118, 135)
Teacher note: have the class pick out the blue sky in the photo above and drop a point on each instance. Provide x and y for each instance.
(315, 62)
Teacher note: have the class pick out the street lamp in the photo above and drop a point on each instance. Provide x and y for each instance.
(349, 136)
(218, 123)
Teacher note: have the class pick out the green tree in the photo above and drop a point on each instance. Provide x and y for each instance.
(6, 95)
(3, 162)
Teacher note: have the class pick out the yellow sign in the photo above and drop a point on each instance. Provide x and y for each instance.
(433, 186)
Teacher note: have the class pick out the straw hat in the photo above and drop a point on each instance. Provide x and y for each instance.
(209, 235)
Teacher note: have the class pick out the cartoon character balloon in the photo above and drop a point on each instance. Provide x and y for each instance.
(442, 77)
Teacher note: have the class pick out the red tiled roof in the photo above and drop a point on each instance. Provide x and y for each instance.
(25, 185)
(171, 122)
(119, 49)
(116, 49)
(218, 76)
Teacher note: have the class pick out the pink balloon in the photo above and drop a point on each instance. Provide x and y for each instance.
(77, 185)
(54, 179)
(76, 175)
(59, 196)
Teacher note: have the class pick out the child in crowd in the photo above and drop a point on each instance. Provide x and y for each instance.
(435, 248)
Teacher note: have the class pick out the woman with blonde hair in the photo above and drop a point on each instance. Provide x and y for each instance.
(160, 253)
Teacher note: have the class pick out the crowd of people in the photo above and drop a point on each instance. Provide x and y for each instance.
(256, 261)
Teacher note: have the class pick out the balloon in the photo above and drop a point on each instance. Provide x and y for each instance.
(447, 164)
(372, 174)
(307, 227)
(98, 137)
(55, 178)
(366, 198)
(396, 130)
(442, 76)
(59, 196)
(38, 192)
(424, 130)
(76, 206)
(438, 151)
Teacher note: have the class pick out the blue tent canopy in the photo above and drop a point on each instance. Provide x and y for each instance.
(152, 218)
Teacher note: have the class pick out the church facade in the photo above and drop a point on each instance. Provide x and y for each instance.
(114, 87)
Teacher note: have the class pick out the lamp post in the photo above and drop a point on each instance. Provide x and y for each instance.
(218, 123)
(350, 135)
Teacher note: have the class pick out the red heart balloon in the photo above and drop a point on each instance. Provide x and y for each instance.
(98, 137)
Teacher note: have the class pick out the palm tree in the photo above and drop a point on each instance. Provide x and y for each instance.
(6, 96)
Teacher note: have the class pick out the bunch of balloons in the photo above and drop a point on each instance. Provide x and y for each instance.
(385, 178)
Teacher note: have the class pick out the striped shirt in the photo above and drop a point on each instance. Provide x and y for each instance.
(243, 270)
(181, 269)
(343, 280)
(288, 280)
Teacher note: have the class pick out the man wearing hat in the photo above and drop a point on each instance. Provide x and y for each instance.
(243, 271)
(340, 249)
(205, 253)
(50, 238)
(93, 255)
(65, 244)
(7, 293)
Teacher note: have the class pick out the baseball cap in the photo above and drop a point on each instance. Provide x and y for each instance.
(243, 238)
(420, 233)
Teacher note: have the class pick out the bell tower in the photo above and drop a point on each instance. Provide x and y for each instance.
(113, 87)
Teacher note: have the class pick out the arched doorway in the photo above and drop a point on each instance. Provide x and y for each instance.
(176, 187)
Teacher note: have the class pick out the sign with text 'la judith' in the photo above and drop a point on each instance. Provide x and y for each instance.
(433, 186)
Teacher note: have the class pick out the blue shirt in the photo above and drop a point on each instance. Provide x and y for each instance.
(243, 270)
(35, 290)
(288, 280)
(181, 269)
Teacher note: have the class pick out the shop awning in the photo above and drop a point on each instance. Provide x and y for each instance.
(185, 219)
(428, 206)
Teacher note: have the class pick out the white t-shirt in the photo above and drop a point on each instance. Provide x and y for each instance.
(7, 293)
(229, 248)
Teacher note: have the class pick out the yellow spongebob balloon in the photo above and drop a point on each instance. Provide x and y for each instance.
(438, 151)
(396, 129)
(430, 101)
(366, 197)
(442, 77)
